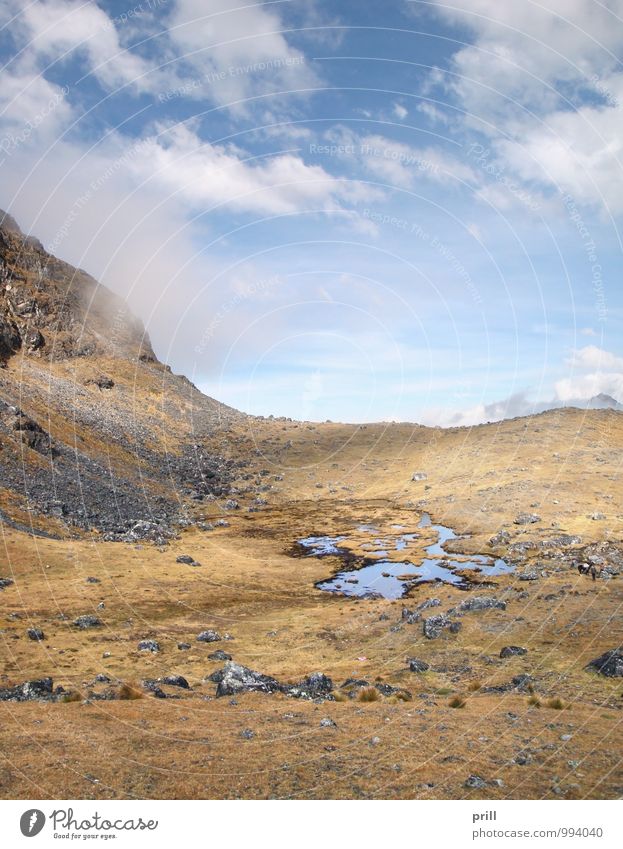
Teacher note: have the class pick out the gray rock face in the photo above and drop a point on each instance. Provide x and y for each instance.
(610, 663)
(527, 519)
(209, 636)
(482, 603)
(511, 651)
(416, 665)
(149, 645)
(87, 621)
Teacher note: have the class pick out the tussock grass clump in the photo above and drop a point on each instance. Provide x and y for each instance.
(534, 701)
(443, 691)
(457, 702)
(368, 694)
(555, 703)
(340, 696)
(474, 686)
(73, 696)
(128, 693)
(401, 696)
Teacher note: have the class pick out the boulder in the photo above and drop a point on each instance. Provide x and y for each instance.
(434, 625)
(416, 665)
(35, 634)
(609, 663)
(88, 621)
(219, 654)
(526, 519)
(208, 636)
(315, 686)
(149, 645)
(234, 678)
(38, 690)
(511, 651)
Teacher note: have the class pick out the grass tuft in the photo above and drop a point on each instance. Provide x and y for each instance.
(368, 694)
(555, 703)
(128, 693)
(457, 702)
(534, 701)
(474, 686)
(73, 696)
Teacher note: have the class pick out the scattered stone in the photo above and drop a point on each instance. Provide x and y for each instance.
(175, 681)
(183, 646)
(93, 581)
(209, 636)
(88, 621)
(327, 723)
(231, 504)
(375, 741)
(149, 645)
(527, 519)
(185, 558)
(501, 538)
(610, 663)
(35, 634)
(482, 602)
(434, 625)
(510, 651)
(102, 679)
(219, 654)
(416, 665)
(247, 734)
(419, 476)
(5, 582)
(475, 782)
(597, 517)
(528, 575)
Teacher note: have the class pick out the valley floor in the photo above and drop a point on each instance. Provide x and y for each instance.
(554, 734)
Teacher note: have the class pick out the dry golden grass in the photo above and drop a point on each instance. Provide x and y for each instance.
(282, 625)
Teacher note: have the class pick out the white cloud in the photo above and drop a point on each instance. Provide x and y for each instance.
(589, 385)
(55, 29)
(519, 81)
(207, 176)
(400, 112)
(246, 45)
(592, 357)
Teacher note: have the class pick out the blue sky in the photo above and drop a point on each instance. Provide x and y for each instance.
(327, 210)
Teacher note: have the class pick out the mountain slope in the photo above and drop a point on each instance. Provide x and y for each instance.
(95, 432)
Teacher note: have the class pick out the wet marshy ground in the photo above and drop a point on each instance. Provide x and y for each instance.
(377, 574)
